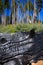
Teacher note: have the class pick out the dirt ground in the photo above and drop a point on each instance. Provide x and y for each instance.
(38, 63)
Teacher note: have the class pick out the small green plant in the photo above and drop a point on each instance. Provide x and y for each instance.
(21, 27)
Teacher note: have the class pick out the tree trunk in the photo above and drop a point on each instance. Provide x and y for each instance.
(14, 9)
(11, 18)
(34, 14)
(3, 18)
(0, 20)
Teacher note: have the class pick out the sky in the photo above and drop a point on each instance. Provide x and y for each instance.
(20, 16)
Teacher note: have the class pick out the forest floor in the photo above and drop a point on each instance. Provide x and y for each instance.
(38, 63)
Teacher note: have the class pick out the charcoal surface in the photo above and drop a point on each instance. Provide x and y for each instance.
(20, 44)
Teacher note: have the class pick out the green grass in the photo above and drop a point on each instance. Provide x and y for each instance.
(20, 27)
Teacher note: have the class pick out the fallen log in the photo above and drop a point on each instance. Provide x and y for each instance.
(22, 48)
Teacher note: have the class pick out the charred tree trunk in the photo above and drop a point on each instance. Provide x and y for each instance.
(11, 18)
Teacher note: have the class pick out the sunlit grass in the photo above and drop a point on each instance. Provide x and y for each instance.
(20, 27)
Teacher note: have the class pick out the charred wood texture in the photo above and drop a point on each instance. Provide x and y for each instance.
(21, 48)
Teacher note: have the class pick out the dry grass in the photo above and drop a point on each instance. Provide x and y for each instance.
(38, 63)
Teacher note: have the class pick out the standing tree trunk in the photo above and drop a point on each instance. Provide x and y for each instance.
(0, 19)
(13, 13)
(34, 14)
(11, 18)
(3, 18)
(15, 9)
